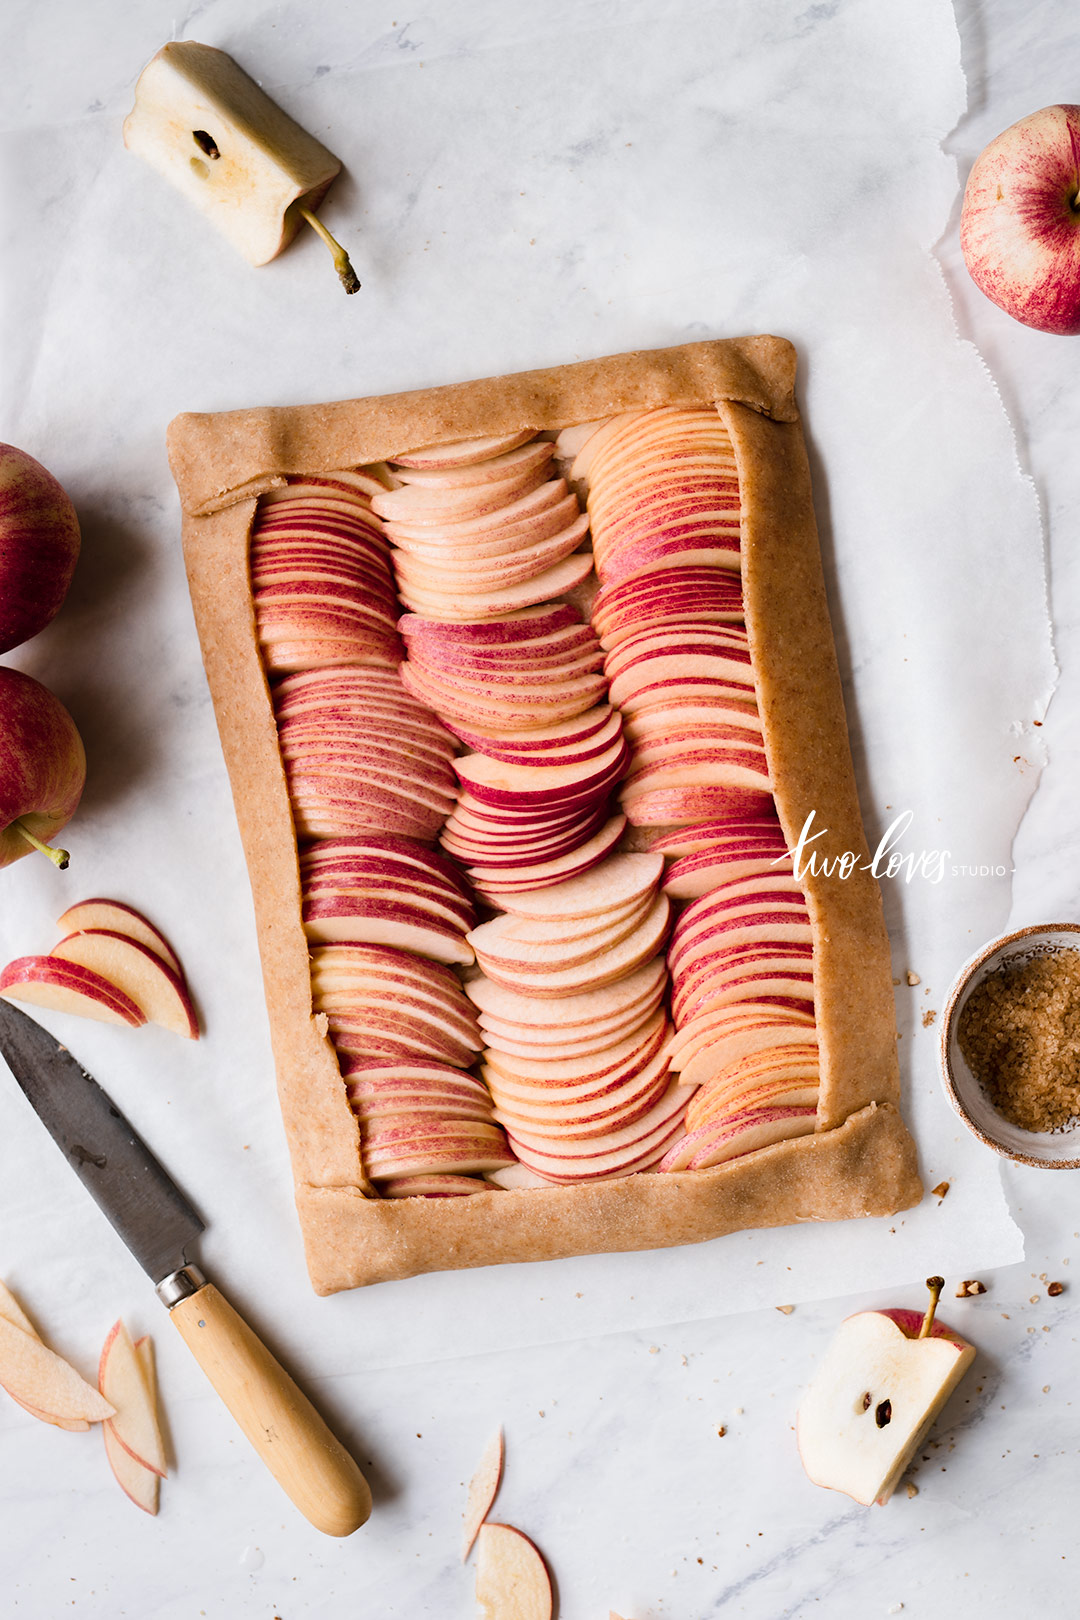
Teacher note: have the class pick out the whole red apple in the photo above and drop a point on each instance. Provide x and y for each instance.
(39, 546)
(42, 767)
(1020, 225)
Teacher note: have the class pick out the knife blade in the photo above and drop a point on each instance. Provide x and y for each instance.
(159, 1226)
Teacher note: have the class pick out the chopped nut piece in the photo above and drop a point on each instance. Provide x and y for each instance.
(1034, 1300)
(912, 978)
(785, 1310)
(965, 1290)
(940, 1190)
(1055, 1289)
(721, 1431)
(912, 1488)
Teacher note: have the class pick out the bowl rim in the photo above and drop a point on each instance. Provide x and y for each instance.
(971, 967)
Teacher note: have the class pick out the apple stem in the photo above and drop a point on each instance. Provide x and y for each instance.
(347, 275)
(935, 1285)
(59, 857)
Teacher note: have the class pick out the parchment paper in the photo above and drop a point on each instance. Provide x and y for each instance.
(524, 186)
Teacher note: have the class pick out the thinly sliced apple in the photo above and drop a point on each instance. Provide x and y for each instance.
(37, 1377)
(136, 1479)
(483, 1488)
(49, 981)
(465, 452)
(512, 1582)
(119, 919)
(139, 972)
(432, 1186)
(13, 1312)
(123, 1384)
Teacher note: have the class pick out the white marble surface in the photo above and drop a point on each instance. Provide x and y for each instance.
(549, 184)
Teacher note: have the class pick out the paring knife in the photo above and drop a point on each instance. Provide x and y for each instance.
(158, 1225)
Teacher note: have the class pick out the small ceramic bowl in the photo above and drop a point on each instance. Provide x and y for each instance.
(1048, 1150)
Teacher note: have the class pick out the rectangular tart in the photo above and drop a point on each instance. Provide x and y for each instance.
(860, 1159)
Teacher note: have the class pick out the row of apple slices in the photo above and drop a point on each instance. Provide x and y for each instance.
(517, 672)
(111, 965)
(378, 889)
(426, 1129)
(742, 968)
(361, 755)
(511, 819)
(321, 578)
(663, 488)
(571, 1007)
(481, 535)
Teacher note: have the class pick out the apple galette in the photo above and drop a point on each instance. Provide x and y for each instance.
(526, 688)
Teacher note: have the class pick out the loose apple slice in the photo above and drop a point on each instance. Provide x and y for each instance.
(48, 981)
(123, 1383)
(139, 972)
(38, 1378)
(482, 1491)
(138, 1482)
(883, 1381)
(512, 1582)
(13, 1312)
(119, 919)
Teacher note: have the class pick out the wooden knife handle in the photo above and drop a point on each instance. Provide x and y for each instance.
(309, 1464)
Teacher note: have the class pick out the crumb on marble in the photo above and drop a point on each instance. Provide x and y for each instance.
(940, 1191)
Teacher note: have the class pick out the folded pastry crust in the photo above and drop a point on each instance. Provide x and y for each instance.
(861, 1160)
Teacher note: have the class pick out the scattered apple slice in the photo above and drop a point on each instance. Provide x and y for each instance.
(122, 1382)
(512, 1582)
(13, 1312)
(40, 1379)
(482, 1491)
(883, 1381)
(119, 919)
(140, 1483)
(139, 972)
(47, 981)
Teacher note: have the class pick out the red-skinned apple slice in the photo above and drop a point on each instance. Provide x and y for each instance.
(487, 879)
(138, 972)
(13, 1312)
(553, 582)
(483, 1488)
(512, 1582)
(716, 1100)
(402, 926)
(432, 1186)
(44, 1382)
(464, 452)
(737, 1134)
(492, 469)
(122, 1383)
(120, 919)
(49, 981)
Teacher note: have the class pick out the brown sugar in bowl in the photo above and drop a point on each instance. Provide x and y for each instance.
(1048, 1150)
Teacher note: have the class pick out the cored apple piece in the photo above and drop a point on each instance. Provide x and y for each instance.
(512, 1582)
(483, 1488)
(48, 981)
(119, 919)
(44, 1382)
(139, 972)
(875, 1396)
